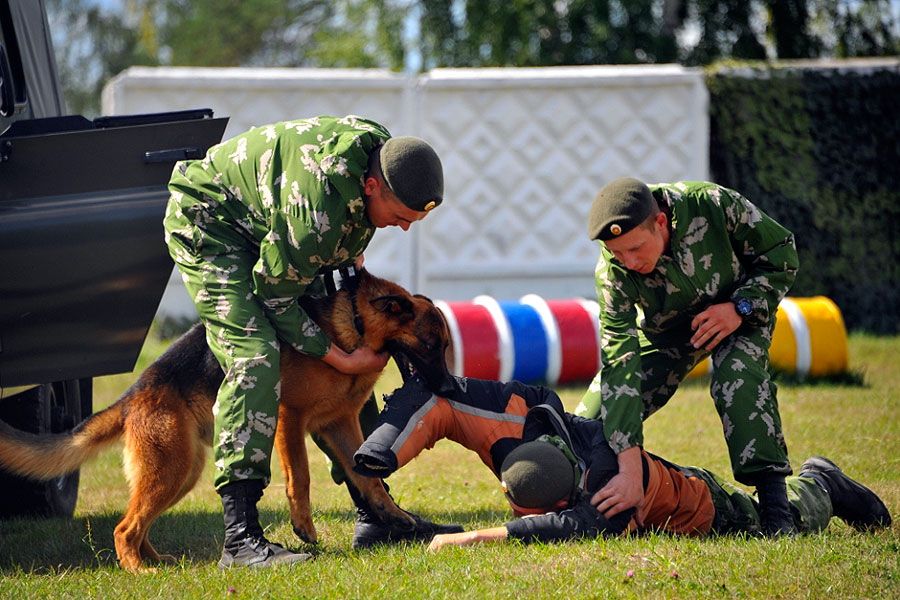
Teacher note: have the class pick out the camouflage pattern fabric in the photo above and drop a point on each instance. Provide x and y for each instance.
(249, 227)
(721, 246)
(738, 512)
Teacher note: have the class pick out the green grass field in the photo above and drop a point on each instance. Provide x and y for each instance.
(857, 426)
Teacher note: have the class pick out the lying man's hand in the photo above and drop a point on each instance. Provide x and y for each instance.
(467, 538)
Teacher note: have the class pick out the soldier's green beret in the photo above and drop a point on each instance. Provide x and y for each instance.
(413, 171)
(619, 207)
(537, 475)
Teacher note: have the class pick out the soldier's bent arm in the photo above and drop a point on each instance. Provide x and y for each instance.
(767, 253)
(615, 394)
(321, 223)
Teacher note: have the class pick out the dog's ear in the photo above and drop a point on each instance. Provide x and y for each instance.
(398, 307)
(425, 298)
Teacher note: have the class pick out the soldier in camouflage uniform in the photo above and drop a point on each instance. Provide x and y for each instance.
(251, 227)
(687, 270)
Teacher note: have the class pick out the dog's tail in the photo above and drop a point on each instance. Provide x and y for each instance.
(45, 456)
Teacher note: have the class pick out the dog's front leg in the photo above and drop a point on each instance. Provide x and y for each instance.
(290, 441)
(344, 437)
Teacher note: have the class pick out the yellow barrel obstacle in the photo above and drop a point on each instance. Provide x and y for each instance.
(810, 339)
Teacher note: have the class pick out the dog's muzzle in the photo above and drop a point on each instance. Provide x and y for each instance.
(438, 380)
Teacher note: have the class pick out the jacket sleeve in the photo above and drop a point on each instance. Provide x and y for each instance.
(614, 395)
(766, 250)
(289, 258)
(580, 521)
(319, 190)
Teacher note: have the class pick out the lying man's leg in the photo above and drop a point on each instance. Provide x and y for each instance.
(820, 491)
(484, 416)
(847, 499)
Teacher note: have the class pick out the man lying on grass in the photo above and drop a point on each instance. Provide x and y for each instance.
(552, 463)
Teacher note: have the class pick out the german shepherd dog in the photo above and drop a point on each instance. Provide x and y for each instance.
(166, 417)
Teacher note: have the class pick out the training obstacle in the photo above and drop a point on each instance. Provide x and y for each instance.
(557, 341)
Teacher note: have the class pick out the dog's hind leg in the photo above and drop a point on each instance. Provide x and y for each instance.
(159, 462)
(148, 552)
(344, 437)
(290, 441)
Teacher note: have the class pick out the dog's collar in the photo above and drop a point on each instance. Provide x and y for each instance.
(349, 281)
(344, 278)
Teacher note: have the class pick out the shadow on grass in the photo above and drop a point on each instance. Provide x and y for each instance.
(463, 517)
(47, 546)
(52, 545)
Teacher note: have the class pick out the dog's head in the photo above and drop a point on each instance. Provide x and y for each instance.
(413, 330)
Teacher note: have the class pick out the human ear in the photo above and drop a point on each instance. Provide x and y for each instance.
(371, 185)
(662, 220)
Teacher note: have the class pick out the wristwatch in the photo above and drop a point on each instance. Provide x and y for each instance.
(742, 306)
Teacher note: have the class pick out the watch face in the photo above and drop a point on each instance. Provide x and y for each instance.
(743, 307)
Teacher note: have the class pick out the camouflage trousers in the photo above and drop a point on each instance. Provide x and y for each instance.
(741, 387)
(217, 274)
(738, 512)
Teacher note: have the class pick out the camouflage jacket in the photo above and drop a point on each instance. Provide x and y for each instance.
(721, 246)
(291, 193)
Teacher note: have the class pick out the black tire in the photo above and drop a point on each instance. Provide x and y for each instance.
(49, 408)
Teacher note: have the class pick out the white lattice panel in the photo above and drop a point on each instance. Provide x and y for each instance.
(524, 153)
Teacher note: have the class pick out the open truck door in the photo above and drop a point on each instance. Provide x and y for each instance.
(83, 264)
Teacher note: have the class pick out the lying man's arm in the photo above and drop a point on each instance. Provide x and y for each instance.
(580, 521)
(468, 538)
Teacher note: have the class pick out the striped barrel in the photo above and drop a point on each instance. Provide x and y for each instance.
(531, 340)
(558, 341)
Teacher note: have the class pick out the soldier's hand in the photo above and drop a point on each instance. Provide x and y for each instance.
(714, 325)
(361, 361)
(626, 489)
(622, 492)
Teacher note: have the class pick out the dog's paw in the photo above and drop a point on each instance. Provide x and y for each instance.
(307, 533)
(397, 519)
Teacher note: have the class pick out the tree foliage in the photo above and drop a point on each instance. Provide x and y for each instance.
(95, 43)
(695, 32)
(231, 33)
(91, 46)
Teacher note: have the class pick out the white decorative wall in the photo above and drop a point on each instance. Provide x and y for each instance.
(524, 153)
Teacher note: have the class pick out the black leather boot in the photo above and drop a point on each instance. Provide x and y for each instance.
(245, 545)
(774, 510)
(851, 501)
(370, 530)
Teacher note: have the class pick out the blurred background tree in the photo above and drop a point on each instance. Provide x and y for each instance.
(96, 39)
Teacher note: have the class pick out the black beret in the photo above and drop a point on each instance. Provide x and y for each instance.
(619, 207)
(537, 475)
(413, 171)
